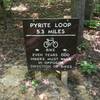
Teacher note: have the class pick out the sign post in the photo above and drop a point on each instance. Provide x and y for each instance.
(50, 43)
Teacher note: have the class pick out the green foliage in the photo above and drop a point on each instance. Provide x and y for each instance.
(7, 3)
(92, 23)
(36, 8)
(51, 1)
(23, 88)
(88, 67)
(97, 8)
(83, 46)
(34, 83)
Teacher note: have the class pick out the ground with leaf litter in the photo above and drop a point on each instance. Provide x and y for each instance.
(15, 83)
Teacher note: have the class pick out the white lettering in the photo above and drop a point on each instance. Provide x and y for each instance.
(40, 25)
(64, 25)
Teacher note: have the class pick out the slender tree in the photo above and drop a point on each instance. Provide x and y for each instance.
(77, 11)
(89, 6)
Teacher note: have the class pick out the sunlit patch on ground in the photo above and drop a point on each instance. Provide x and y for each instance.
(20, 8)
(94, 38)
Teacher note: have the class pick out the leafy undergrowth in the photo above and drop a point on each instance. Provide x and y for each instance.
(94, 24)
(12, 53)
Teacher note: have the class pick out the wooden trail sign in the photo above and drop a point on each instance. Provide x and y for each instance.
(49, 41)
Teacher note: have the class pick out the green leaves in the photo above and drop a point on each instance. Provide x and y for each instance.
(34, 83)
(83, 46)
(51, 1)
(92, 23)
(23, 88)
(97, 8)
(7, 3)
(88, 67)
(25, 85)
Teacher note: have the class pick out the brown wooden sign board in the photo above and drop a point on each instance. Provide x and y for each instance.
(50, 42)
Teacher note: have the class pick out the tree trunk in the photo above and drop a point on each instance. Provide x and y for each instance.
(89, 6)
(3, 14)
(77, 11)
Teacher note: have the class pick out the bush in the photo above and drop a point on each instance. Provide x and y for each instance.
(83, 46)
(7, 3)
(92, 23)
(97, 8)
(87, 67)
